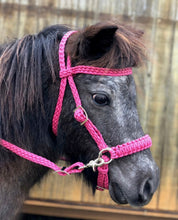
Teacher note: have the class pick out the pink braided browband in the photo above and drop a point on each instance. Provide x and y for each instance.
(94, 71)
(101, 163)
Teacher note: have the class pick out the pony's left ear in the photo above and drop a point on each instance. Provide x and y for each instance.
(96, 40)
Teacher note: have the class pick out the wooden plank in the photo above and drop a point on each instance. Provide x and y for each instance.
(150, 29)
(9, 20)
(167, 9)
(27, 18)
(169, 187)
(1, 21)
(58, 187)
(100, 197)
(95, 212)
(46, 13)
(143, 75)
(51, 187)
(159, 122)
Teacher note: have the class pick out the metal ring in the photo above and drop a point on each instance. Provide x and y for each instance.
(108, 149)
(85, 113)
(62, 171)
(98, 162)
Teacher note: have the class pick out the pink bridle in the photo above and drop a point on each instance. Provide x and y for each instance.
(101, 162)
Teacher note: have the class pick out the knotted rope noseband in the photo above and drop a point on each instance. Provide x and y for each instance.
(101, 163)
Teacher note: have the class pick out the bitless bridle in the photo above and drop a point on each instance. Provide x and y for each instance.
(100, 164)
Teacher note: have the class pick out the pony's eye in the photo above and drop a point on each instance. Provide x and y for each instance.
(100, 99)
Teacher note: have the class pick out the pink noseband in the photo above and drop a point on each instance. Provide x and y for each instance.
(101, 162)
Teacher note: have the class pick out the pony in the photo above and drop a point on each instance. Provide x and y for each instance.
(29, 88)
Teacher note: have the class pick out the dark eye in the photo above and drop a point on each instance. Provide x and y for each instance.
(100, 99)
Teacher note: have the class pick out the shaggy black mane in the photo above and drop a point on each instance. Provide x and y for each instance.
(21, 65)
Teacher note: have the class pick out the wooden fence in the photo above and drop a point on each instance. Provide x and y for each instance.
(157, 85)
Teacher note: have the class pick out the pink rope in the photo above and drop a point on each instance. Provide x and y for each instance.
(131, 147)
(41, 160)
(59, 105)
(94, 132)
(94, 71)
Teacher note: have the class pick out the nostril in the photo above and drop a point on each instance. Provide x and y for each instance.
(147, 188)
(146, 191)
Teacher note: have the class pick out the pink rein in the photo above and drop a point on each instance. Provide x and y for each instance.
(101, 163)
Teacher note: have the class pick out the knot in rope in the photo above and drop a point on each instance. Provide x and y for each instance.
(64, 73)
(74, 168)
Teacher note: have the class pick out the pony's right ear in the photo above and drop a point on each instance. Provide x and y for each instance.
(96, 40)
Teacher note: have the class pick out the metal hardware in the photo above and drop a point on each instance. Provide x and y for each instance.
(85, 113)
(62, 171)
(108, 149)
(101, 188)
(98, 162)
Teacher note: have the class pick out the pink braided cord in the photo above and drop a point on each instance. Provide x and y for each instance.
(131, 147)
(94, 132)
(58, 108)
(102, 180)
(63, 83)
(41, 160)
(95, 71)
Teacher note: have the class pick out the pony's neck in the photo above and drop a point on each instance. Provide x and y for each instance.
(29, 129)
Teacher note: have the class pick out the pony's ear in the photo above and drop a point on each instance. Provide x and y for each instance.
(96, 40)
